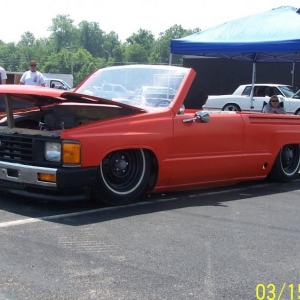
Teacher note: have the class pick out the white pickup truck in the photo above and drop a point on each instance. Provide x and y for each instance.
(240, 100)
(57, 84)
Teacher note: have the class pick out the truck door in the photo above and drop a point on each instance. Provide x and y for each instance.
(204, 152)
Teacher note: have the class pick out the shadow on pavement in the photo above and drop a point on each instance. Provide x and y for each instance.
(84, 213)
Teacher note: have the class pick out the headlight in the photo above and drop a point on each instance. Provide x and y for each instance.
(53, 151)
(68, 152)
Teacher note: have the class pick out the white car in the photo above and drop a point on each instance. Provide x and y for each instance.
(117, 88)
(155, 95)
(240, 100)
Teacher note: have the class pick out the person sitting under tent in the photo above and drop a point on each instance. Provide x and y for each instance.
(274, 106)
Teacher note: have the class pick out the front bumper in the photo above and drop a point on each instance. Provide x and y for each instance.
(71, 183)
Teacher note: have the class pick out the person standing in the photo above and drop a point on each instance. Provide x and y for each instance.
(3, 76)
(32, 76)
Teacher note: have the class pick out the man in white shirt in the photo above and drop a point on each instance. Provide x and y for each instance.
(3, 75)
(33, 77)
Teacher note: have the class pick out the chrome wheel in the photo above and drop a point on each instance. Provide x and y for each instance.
(286, 165)
(289, 157)
(231, 107)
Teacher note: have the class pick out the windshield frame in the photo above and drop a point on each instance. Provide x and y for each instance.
(162, 76)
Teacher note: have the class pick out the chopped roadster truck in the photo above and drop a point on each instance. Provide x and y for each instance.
(78, 145)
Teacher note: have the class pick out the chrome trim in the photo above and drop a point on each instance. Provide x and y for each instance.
(26, 174)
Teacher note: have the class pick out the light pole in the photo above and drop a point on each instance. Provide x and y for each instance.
(71, 49)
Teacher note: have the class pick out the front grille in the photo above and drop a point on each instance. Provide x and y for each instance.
(16, 148)
(24, 149)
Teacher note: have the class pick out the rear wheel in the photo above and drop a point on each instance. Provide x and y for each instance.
(286, 165)
(297, 112)
(123, 176)
(231, 107)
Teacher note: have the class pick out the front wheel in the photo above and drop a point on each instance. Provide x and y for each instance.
(231, 107)
(286, 165)
(123, 176)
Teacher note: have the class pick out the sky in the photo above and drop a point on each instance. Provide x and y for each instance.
(126, 17)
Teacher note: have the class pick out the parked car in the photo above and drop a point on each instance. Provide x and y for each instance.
(109, 90)
(240, 100)
(57, 84)
(75, 146)
(155, 95)
(118, 88)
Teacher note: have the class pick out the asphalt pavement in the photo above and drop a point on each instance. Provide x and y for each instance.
(239, 242)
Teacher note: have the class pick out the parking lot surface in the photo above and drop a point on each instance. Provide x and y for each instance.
(239, 242)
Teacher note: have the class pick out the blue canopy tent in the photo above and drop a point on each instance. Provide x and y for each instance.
(272, 36)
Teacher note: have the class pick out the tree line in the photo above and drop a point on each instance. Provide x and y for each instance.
(82, 49)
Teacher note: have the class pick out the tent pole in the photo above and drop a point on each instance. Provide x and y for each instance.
(170, 59)
(253, 81)
(293, 72)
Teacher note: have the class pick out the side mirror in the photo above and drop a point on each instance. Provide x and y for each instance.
(181, 110)
(199, 117)
(202, 116)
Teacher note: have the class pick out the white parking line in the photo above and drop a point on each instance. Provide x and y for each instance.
(54, 217)
(35, 220)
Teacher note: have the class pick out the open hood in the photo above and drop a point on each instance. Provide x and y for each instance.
(28, 96)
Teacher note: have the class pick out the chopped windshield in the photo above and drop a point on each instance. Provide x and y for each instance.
(137, 85)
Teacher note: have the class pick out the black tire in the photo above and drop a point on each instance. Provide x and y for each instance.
(286, 165)
(231, 107)
(123, 176)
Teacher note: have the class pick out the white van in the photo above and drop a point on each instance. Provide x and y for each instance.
(57, 84)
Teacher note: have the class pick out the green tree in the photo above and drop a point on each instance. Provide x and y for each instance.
(58, 63)
(27, 39)
(87, 47)
(143, 37)
(161, 50)
(84, 64)
(64, 33)
(10, 56)
(119, 54)
(91, 38)
(136, 53)
(111, 41)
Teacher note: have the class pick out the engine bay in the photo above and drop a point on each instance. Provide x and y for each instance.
(64, 116)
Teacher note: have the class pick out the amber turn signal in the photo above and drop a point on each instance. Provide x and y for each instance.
(71, 153)
(46, 177)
